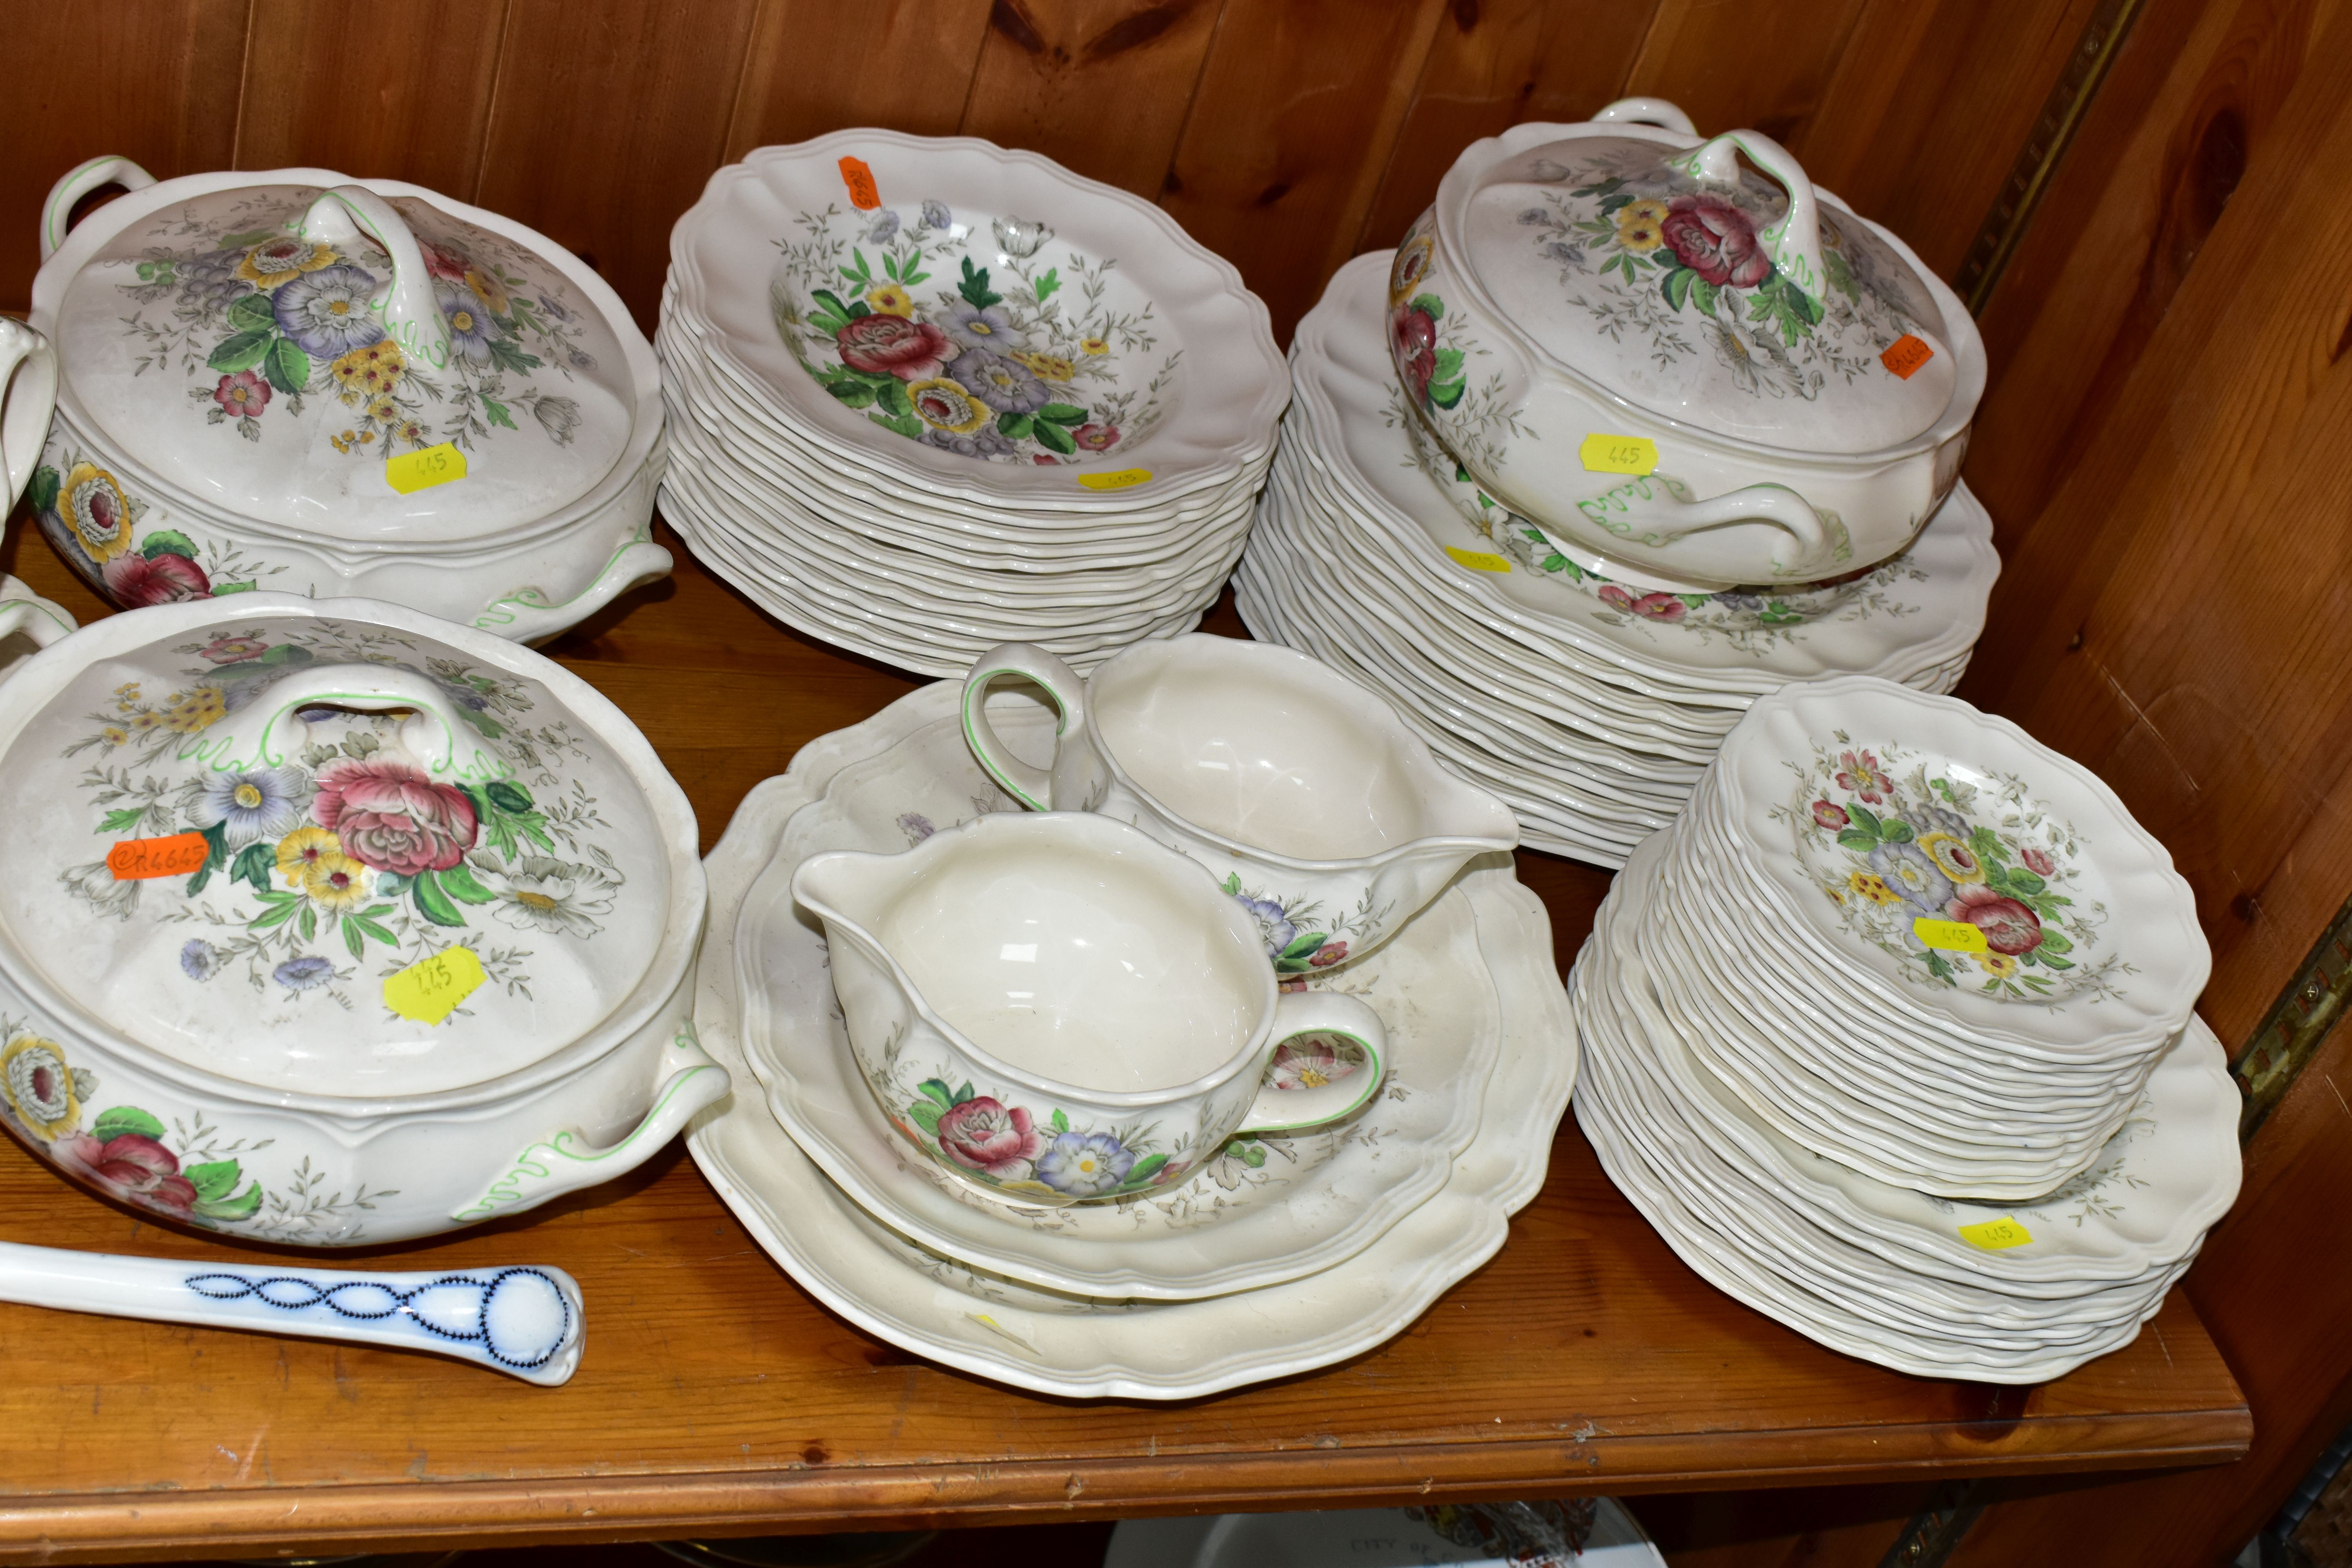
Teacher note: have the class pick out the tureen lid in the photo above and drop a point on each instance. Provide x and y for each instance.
(331, 847)
(264, 344)
(1733, 301)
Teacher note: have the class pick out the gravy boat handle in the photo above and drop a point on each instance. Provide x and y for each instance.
(1308, 1103)
(1032, 785)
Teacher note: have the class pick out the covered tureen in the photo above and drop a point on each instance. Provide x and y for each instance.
(323, 922)
(296, 381)
(1680, 360)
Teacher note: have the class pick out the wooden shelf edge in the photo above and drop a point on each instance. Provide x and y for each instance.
(122, 1528)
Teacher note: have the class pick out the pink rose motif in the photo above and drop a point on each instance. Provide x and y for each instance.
(1308, 1062)
(1329, 954)
(131, 1165)
(2040, 864)
(389, 816)
(233, 649)
(1829, 816)
(1412, 343)
(1863, 775)
(441, 261)
(1095, 437)
(136, 580)
(1650, 606)
(894, 345)
(242, 395)
(987, 1135)
(1045, 459)
(2008, 926)
(1715, 240)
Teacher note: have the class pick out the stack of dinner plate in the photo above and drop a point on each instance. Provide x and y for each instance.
(1891, 1038)
(928, 395)
(1592, 707)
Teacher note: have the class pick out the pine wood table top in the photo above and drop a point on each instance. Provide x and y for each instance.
(716, 1398)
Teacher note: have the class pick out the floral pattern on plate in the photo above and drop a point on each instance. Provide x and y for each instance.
(982, 338)
(1893, 837)
(258, 316)
(189, 1172)
(1657, 258)
(350, 845)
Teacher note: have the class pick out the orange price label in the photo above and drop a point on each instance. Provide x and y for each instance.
(1906, 355)
(860, 181)
(177, 856)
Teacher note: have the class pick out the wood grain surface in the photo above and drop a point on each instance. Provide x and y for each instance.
(714, 1396)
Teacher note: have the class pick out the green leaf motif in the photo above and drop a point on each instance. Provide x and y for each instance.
(1989, 847)
(1429, 305)
(2024, 881)
(1048, 284)
(2054, 941)
(1863, 818)
(215, 1180)
(167, 541)
(1063, 414)
(352, 938)
(1446, 393)
(937, 1090)
(458, 883)
(244, 1206)
(1141, 1173)
(890, 394)
(254, 864)
(1055, 436)
(275, 915)
(974, 287)
(1704, 294)
(432, 903)
(1895, 830)
(496, 412)
(252, 312)
(43, 491)
(246, 239)
(1858, 840)
(125, 1119)
(925, 1115)
(241, 351)
(853, 393)
(963, 1094)
(215, 856)
(1015, 427)
(906, 424)
(1677, 286)
(390, 884)
(122, 820)
(289, 368)
(1060, 1120)
(508, 795)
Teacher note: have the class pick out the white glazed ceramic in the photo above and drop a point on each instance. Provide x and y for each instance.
(360, 790)
(242, 352)
(1263, 1211)
(29, 396)
(1107, 999)
(29, 623)
(1081, 1347)
(1590, 1533)
(1632, 282)
(1070, 295)
(1301, 793)
(525, 1322)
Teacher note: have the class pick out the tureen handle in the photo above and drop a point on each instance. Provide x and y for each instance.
(22, 610)
(1793, 244)
(689, 1082)
(96, 174)
(1647, 512)
(266, 727)
(28, 395)
(1645, 111)
(408, 308)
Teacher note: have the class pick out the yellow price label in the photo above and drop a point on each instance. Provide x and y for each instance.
(1478, 561)
(413, 471)
(1952, 936)
(1996, 1234)
(1125, 479)
(1619, 454)
(430, 989)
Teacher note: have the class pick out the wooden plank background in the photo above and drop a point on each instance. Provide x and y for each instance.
(2165, 447)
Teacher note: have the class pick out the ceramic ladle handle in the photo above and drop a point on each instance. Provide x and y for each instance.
(270, 726)
(1032, 785)
(78, 183)
(1304, 1103)
(28, 395)
(525, 1322)
(409, 309)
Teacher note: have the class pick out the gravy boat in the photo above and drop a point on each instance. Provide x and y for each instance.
(1303, 793)
(1057, 1008)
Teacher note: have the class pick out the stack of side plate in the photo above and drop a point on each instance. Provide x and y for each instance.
(1591, 708)
(928, 396)
(1936, 1098)
(1284, 1253)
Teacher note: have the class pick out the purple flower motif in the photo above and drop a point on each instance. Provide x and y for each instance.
(984, 442)
(472, 330)
(936, 214)
(200, 959)
(1084, 1165)
(983, 327)
(1007, 387)
(303, 973)
(884, 227)
(916, 826)
(1275, 928)
(326, 313)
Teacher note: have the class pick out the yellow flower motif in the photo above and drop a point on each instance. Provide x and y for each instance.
(96, 511)
(944, 405)
(1411, 265)
(1998, 964)
(1953, 858)
(370, 372)
(304, 848)
(334, 882)
(189, 711)
(146, 724)
(1640, 226)
(1094, 345)
(114, 734)
(889, 300)
(383, 411)
(40, 1087)
(408, 432)
(1872, 887)
(276, 261)
(487, 289)
(1047, 368)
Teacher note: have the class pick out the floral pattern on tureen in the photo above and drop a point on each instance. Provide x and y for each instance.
(351, 849)
(1651, 254)
(1893, 837)
(984, 338)
(99, 525)
(258, 318)
(188, 1172)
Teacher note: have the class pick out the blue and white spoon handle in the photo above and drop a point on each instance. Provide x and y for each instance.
(524, 1320)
